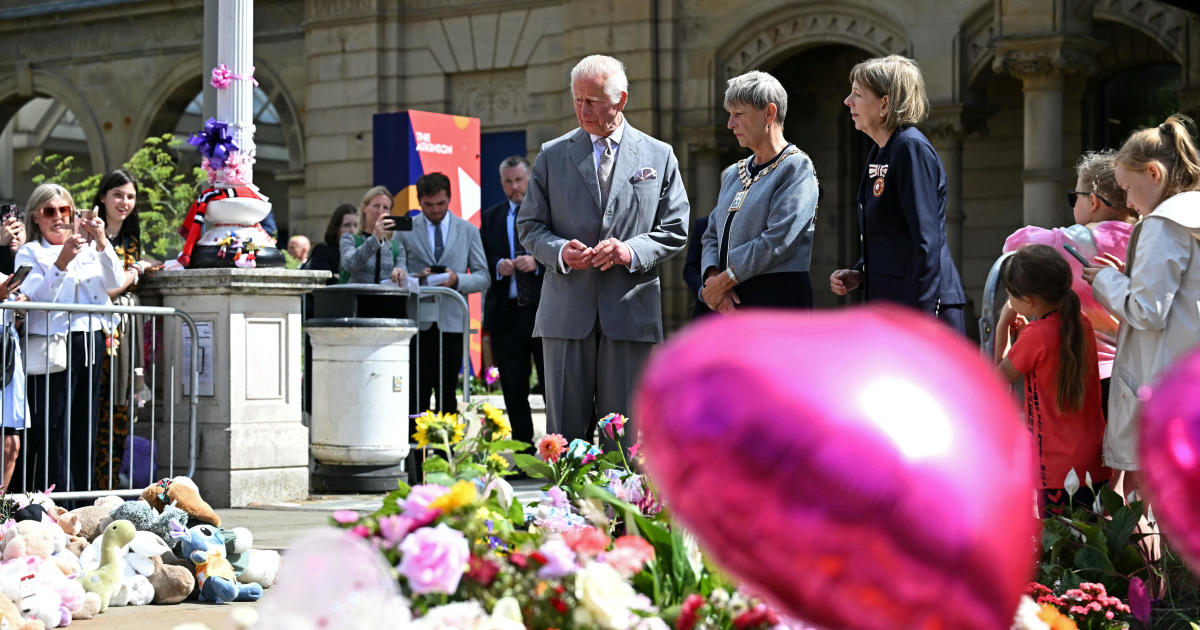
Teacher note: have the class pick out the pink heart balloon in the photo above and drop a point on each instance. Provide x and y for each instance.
(1169, 452)
(862, 469)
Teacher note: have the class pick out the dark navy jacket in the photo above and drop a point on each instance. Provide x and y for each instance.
(902, 225)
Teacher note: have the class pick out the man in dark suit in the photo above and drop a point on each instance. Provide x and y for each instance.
(511, 302)
(691, 267)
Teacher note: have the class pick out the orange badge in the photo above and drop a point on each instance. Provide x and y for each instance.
(877, 189)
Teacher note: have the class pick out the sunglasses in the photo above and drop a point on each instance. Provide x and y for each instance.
(50, 211)
(1074, 194)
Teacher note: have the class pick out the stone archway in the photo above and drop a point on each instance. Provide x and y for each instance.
(1162, 23)
(782, 33)
(17, 90)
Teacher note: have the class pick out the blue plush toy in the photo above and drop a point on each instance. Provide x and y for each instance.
(204, 546)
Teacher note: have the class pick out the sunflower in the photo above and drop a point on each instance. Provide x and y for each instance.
(495, 424)
(438, 428)
(496, 463)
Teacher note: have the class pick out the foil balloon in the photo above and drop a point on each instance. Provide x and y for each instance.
(1169, 452)
(861, 469)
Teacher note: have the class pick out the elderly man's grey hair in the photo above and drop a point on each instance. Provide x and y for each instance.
(514, 160)
(756, 88)
(594, 66)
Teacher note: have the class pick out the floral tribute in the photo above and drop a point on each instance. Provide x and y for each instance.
(595, 550)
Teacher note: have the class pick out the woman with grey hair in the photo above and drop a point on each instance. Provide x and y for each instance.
(901, 197)
(758, 243)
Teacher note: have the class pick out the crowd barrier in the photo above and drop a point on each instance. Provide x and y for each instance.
(431, 315)
(146, 457)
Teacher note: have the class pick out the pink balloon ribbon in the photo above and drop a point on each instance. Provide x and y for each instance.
(222, 77)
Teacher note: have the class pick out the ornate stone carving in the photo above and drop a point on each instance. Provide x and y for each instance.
(1165, 24)
(948, 124)
(495, 98)
(826, 23)
(339, 9)
(1028, 58)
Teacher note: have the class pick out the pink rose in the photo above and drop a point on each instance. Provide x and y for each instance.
(416, 505)
(435, 559)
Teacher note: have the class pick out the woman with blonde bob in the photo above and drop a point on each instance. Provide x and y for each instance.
(72, 262)
(369, 255)
(901, 197)
(758, 243)
(1156, 292)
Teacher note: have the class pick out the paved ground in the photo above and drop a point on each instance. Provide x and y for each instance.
(274, 527)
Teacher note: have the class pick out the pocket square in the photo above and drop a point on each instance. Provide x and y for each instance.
(643, 174)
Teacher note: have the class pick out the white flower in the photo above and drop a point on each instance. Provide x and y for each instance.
(1027, 616)
(503, 489)
(1087, 479)
(604, 595)
(507, 608)
(1071, 483)
(692, 552)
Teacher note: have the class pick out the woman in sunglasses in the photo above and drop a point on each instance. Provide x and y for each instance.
(73, 263)
(1103, 223)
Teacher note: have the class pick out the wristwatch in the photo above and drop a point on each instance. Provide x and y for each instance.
(729, 271)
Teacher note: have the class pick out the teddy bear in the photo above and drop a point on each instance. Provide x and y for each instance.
(172, 582)
(203, 545)
(40, 539)
(39, 590)
(105, 580)
(183, 493)
(10, 617)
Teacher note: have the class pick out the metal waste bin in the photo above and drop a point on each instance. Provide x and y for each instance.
(360, 428)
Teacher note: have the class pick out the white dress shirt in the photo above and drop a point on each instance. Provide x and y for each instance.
(614, 139)
(88, 279)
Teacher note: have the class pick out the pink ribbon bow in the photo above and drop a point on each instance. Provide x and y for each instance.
(222, 77)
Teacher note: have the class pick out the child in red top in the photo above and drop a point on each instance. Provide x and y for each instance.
(1056, 352)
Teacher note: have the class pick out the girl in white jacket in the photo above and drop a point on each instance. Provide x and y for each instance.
(1157, 298)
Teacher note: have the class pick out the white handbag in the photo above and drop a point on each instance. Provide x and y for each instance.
(46, 354)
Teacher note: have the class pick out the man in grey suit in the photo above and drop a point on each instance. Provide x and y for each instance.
(604, 206)
(447, 250)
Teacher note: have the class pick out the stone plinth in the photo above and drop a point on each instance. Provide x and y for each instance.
(252, 446)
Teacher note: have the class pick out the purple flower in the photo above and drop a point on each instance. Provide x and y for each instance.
(434, 559)
(560, 560)
(345, 517)
(558, 498)
(1139, 600)
(416, 506)
(492, 375)
(394, 528)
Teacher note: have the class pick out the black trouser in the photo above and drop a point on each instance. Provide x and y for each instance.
(68, 418)
(513, 347)
(423, 385)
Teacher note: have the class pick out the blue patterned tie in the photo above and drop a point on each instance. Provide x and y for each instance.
(437, 242)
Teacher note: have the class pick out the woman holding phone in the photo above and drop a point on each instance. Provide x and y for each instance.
(369, 255)
(68, 268)
(116, 202)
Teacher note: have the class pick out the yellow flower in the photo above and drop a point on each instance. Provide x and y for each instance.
(496, 463)
(461, 494)
(437, 428)
(495, 423)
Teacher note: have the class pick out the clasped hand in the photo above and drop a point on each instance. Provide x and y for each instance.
(718, 292)
(603, 256)
(524, 263)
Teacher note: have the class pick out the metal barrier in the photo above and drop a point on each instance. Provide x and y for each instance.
(438, 293)
(10, 313)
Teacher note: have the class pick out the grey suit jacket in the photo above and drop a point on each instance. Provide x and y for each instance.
(462, 251)
(647, 209)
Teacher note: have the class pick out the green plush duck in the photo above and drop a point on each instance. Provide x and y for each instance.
(105, 580)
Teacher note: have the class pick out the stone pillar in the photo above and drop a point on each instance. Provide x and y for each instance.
(945, 128)
(700, 164)
(252, 445)
(1040, 64)
(235, 104)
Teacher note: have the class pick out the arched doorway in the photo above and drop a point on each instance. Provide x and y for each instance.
(1131, 63)
(816, 81)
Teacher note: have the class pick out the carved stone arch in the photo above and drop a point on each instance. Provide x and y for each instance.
(162, 107)
(975, 37)
(780, 33)
(44, 82)
(1163, 23)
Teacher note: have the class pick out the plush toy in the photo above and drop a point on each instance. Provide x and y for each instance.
(136, 559)
(183, 494)
(146, 519)
(11, 619)
(133, 591)
(45, 606)
(89, 519)
(36, 587)
(105, 580)
(172, 583)
(32, 538)
(250, 565)
(204, 546)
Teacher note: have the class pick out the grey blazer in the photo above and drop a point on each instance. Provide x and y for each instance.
(647, 209)
(772, 232)
(462, 251)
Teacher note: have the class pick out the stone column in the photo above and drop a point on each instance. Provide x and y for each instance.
(1040, 65)
(235, 104)
(700, 164)
(252, 445)
(945, 128)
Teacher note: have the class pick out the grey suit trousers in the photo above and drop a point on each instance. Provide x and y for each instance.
(588, 379)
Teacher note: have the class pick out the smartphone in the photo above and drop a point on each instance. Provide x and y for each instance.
(401, 223)
(1074, 252)
(437, 268)
(18, 276)
(8, 210)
